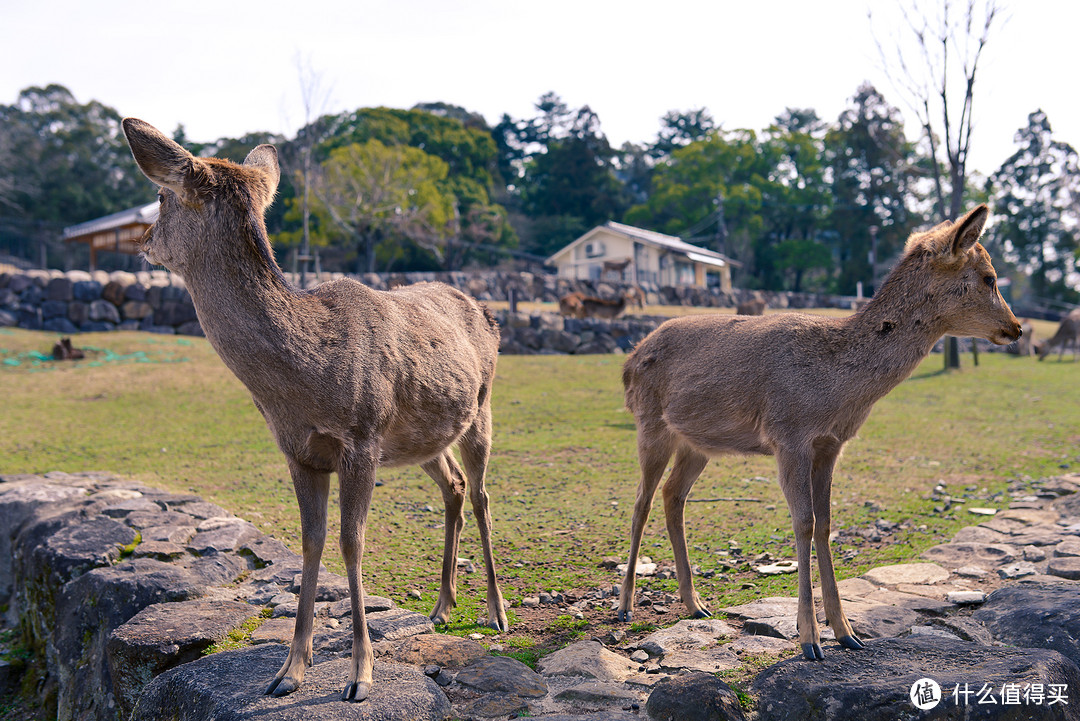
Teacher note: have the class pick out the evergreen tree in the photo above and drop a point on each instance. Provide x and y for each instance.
(1036, 193)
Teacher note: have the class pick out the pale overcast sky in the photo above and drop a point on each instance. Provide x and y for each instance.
(225, 68)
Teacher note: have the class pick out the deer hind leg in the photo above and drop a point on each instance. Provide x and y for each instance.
(824, 462)
(795, 481)
(312, 492)
(445, 472)
(357, 481)
(654, 451)
(475, 450)
(688, 466)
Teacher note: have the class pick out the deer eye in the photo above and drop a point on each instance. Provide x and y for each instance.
(989, 280)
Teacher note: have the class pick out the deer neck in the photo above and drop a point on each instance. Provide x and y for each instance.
(896, 330)
(246, 307)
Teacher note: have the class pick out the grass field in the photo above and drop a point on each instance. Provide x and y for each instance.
(164, 410)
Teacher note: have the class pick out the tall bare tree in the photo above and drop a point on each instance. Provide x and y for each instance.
(314, 98)
(933, 58)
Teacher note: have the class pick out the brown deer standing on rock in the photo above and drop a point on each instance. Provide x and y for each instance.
(797, 387)
(347, 378)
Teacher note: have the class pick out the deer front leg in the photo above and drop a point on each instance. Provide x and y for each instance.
(653, 457)
(357, 480)
(444, 471)
(312, 492)
(795, 471)
(824, 462)
(475, 450)
(688, 466)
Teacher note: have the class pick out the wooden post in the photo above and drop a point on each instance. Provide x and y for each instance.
(952, 353)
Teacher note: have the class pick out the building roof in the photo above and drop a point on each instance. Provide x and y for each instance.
(143, 214)
(650, 237)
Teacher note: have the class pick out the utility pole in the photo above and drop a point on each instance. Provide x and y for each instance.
(721, 226)
(872, 258)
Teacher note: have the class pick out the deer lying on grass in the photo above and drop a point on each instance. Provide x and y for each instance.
(1068, 333)
(797, 387)
(751, 307)
(347, 378)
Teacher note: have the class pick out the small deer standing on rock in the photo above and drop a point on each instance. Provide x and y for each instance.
(347, 378)
(797, 387)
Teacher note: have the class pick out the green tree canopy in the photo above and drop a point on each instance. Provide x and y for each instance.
(873, 168)
(65, 161)
(1036, 200)
(384, 198)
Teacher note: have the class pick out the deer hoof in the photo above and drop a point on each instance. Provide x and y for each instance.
(356, 691)
(625, 616)
(703, 613)
(281, 687)
(851, 642)
(813, 652)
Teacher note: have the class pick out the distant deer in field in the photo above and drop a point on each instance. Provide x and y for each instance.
(797, 387)
(635, 297)
(600, 308)
(347, 378)
(1068, 333)
(751, 307)
(1025, 345)
(570, 305)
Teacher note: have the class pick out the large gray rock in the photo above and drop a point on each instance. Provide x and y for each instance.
(221, 535)
(439, 649)
(693, 697)
(88, 610)
(164, 635)
(595, 695)
(502, 674)
(18, 501)
(708, 660)
(874, 684)
(589, 659)
(103, 310)
(397, 623)
(229, 686)
(686, 634)
(332, 587)
(919, 573)
(877, 620)
(955, 555)
(1038, 615)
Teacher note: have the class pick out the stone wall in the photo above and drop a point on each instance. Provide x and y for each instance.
(157, 301)
(121, 590)
(78, 301)
(550, 333)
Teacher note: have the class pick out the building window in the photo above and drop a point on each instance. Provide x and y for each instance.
(684, 274)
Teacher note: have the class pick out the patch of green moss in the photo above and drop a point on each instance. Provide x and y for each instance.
(126, 551)
(239, 637)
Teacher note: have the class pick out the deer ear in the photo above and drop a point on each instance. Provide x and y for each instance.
(265, 158)
(968, 229)
(161, 159)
